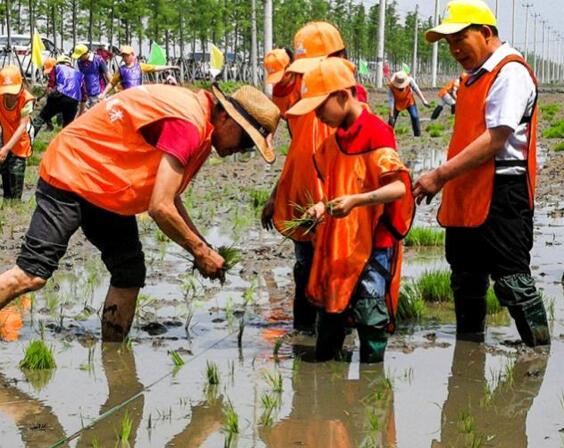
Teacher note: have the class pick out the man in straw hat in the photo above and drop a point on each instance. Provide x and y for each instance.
(400, 98)
(135, 152)
(488, 180)
(16, 106)
(66, 90)
(297, 185)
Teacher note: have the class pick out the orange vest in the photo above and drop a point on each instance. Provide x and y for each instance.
(103, 157)
(403, 98)
(343, 246)
(10, 121)
(298, 181)
(447, 89)
(466, 199)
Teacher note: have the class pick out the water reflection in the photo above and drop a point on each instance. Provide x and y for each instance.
(477, 412)
(11, 319)
(332, 411)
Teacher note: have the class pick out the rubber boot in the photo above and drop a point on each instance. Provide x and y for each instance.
(532, 323)
(305, 313)
(373, 344)
(453, 109)
(330, 337)
(36, 125)
(470, 318)
(416, 125)
(437, 112)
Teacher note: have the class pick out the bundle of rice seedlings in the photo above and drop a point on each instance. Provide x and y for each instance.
(38, 356)
(231, 255)
(212, 373)
(300, 220)
(176, 359)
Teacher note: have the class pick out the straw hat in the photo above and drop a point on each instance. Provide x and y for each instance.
(255, 113)
(314, 42)
(400, 80)
(10, 80)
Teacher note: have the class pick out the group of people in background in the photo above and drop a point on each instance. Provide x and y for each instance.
(342, 168)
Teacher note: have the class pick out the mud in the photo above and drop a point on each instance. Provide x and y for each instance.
(431, 391)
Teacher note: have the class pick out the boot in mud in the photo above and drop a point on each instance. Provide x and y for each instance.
(470, 318)
(437, 112)
(532, 324)
(373, 344)
(305, 313)
(118, 313)
(330, 337)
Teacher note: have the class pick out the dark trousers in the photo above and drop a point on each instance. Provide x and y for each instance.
(57, 103)
(13, 174)
(414, 116)
(500, 249)
(305, 313)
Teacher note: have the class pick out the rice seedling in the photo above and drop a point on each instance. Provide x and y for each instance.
(401, 130)
(548, 111)
(248, 297)
(434, 286)
(95, 444)
(466, 422)
(212, 373)
(269, 404)
(300, 221)
(231, 255)
(160, 236)
(435, 129)
(556, 130)
(124, 433)
(176, 359)
(258, 197)
(277, 345)
(425, 236)
(274, 380)
(231, 425)
(492, 304)
(89, 365)
(284, 150)
(559, 147)
(38, 356)
(411, 306)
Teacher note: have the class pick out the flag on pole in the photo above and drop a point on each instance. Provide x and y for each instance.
(406, 68)
(157, 55)
(363, 67)
(36, 48)
(216, 61)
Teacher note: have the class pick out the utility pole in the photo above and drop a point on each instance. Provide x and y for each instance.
(415, 42)
(543, 51)
(267, 35)
(435, 48)
(380, 44)
(254, 66)
(496, 7)
(513, 26)
(547, 60)
(527, 6)
(535, 17)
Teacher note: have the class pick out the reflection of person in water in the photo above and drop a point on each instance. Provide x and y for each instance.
(332, 412)
(121, 373)
(501, 413)
(11, 319)
(29, 415)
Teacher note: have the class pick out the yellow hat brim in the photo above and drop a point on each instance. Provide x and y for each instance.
(305, 65)
(444, 29)
(307, 105)
(274, 78)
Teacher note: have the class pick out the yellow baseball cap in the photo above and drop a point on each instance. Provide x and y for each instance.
(330, 75)
(79, 51)
(126, 49)
(461, 14)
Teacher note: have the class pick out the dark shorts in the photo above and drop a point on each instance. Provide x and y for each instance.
(58, 215)
(502, 245)
(59, 103)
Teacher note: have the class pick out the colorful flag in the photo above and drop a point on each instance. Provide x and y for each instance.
(36, 48)
(216, 61)
(363, 67)
(406, 68)
(157, 55)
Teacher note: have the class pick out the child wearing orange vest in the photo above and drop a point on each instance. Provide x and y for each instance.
(136, 152)
(366, 209)
(488, 181)
(16, 105)
(400, 98)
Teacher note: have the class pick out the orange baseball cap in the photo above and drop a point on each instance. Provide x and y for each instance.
(48, 65)
(314, 42)
(10, 80)
(275, 62)
(330, 75)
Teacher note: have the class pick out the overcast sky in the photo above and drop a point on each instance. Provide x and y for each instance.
(549, 10)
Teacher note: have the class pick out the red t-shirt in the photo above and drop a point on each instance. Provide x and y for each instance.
(175, 136)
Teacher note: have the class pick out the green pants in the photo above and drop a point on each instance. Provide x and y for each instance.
(13, 173)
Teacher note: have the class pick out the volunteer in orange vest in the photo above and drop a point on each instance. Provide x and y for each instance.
(135, 152)
(400, 98)
(447, 95)
(275, 64)
(365, 210)
(488, 181)
(297, 184)
(16, 105)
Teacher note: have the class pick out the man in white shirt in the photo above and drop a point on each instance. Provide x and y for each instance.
(488, 179)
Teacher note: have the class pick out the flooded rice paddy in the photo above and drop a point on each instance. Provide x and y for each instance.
(431, 391)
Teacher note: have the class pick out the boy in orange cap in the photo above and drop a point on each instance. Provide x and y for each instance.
(365, 209)
(16, 105)
(297, 185)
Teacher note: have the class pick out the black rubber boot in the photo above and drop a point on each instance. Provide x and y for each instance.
(373, 344)
(330, 337)
(453, 109)
(304, 312)
(437, 112)
(469, 290)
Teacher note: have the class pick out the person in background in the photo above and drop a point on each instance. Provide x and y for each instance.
(447, 95)
(95, 72)
(400, 98)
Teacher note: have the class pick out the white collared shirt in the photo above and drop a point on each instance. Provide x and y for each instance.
(511, 97)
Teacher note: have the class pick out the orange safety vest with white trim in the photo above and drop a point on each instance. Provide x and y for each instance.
(403, 98)
(466, 199)
(103, 157)
(343, 246)
(298, 182)
(448, 88)
(10, 121)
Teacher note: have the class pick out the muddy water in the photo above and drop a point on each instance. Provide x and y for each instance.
(431, 391)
